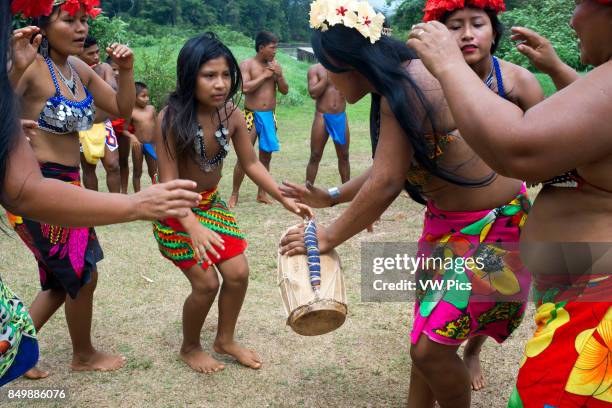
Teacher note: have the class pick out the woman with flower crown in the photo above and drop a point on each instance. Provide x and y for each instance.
(58, 91)
(471, 211)
(565, 144)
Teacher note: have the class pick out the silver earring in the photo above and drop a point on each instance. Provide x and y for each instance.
(44, 47)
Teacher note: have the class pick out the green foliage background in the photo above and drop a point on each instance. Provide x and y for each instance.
(157, 29)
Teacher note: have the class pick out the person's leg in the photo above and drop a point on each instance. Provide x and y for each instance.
(124, 162)
(239, 174)
(110, 161)
(78, 316)
(151, 166)
(90, 180)
(136, 168)
(204, 288)
(444, 371)
(318, 139)
(471, 358)
(342, 151)
(42, 308)
(265, 158)
(419, 393)
(235, 273)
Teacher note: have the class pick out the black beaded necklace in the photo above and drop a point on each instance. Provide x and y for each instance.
(221, 136)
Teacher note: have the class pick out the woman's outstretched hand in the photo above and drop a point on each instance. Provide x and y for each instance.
(164, 200)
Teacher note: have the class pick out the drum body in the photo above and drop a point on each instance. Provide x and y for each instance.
(310, 313)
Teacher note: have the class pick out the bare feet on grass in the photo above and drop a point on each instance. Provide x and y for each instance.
(244, 356)
(36, 374)
(472, 361)
(97, 361)
(233, 201)
(201, 361)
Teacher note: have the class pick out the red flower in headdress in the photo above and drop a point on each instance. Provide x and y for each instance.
(37, 8)
(435, 9)
(73, 6)
(30, 8)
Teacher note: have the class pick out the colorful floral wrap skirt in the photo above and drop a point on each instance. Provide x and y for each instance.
(15, 325)
(568, 361)
(484, 290)
(66, 256)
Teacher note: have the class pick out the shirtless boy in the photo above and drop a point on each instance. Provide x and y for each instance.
(329, 121)
(262, 76)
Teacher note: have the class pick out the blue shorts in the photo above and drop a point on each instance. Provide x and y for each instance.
(265, 126)
(149, 150)
(335, 125)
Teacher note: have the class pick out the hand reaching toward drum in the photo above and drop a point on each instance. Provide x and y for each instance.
(299, 209)
(292, 243)
(309, 194)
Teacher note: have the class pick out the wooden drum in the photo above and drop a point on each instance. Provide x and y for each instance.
(312, 288)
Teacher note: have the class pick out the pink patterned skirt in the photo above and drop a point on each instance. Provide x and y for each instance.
(479, 285)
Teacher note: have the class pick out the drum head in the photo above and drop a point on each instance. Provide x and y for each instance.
(317, 318)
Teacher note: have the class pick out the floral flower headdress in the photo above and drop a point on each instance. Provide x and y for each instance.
(435, 9)
(356, 14)
(38, 8)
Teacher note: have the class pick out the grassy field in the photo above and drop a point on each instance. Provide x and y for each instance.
(365, 363)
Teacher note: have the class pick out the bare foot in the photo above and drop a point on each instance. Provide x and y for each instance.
(36, 374)
(201, 361)
(97, 361)
(472, 361)
(263, 198)
(233, 201)
(244, 356)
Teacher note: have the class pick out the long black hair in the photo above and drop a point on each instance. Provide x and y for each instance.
(381, 64)
(498, 27)
(181, 115)
(9, 124)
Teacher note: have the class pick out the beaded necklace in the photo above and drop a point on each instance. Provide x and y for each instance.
(221, 136)
(71, 83)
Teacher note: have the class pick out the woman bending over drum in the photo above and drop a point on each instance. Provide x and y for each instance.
(469, 206)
